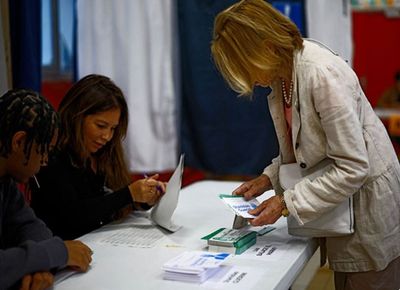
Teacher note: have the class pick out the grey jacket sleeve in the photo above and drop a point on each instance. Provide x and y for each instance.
(27, 245)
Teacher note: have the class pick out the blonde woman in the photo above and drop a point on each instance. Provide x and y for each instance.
(319, 111)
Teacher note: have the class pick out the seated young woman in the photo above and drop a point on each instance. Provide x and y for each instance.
(86, 183)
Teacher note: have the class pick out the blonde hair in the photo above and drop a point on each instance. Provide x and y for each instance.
(252, 36)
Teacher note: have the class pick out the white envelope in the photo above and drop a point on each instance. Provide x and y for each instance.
(162, 212)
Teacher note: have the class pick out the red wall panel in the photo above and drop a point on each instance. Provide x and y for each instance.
(54, 91)
(376, 51)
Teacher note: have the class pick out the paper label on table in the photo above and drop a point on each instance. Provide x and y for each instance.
(239, 205)
(235, 277)
(265, 251)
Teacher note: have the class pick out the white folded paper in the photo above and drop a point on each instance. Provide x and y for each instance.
(162, 212)
(239, 205)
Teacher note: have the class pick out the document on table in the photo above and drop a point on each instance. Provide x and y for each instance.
(162, 212)
(235, 277)
(266, 251)
(134, 236)
(239, 205)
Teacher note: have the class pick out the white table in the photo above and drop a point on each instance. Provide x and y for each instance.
(199, 212)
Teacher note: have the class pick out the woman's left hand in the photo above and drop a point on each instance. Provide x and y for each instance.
(268, 212)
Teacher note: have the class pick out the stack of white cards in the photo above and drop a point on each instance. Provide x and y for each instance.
(194, 266)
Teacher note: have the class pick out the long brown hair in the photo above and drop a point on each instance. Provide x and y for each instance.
(252, 36)
(91, 95)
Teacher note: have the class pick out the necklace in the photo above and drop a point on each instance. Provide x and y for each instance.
(287, 97)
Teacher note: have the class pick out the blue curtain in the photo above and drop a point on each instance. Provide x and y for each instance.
(75, 76)
(220, 132)
(294, 9)
(25, 31)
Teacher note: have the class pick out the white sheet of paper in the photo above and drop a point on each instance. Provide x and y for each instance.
(162, 212)
(235, 277)
(266, 251)
(239, 205)
(134, 236)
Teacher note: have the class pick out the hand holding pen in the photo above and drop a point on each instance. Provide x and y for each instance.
(161, 186)
(148, 190)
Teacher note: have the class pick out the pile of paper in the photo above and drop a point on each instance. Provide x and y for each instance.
(194, 266)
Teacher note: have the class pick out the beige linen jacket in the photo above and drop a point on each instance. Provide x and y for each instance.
(332, 118)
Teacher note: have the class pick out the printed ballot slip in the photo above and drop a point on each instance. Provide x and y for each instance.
(239, 205)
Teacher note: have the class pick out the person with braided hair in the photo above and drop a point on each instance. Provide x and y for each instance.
(28, 249)
(88, 168)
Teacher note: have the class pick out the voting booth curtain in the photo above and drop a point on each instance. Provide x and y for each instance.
(134, 43)
(330, 22)
(221, 132)
(25, 34)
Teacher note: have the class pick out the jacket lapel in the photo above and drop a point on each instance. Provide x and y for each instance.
(296, 120)
(275, 104)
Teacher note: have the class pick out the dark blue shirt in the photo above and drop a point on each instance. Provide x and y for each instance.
(26, 244)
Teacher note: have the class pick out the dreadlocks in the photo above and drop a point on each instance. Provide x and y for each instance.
(28, 111)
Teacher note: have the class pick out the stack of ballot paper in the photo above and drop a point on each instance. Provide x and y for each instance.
(234, 241)
(194, 266)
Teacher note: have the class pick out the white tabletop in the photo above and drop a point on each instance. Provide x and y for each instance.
(199, 212)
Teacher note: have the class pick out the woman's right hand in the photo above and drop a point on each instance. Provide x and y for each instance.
(253, 188)
(148, 190)
(79, 255)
